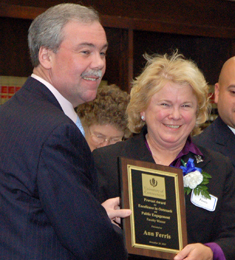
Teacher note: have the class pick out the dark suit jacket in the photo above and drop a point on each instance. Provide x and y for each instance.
(48, 183)
(218, 137)
(202, 225)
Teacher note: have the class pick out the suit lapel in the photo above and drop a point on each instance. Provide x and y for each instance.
(222, 133)
(200, 162)
(40, 90)
(136, 148)
(224, 137)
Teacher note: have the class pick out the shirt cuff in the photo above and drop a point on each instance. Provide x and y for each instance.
(218, 253)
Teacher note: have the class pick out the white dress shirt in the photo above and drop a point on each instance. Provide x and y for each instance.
(66, 106)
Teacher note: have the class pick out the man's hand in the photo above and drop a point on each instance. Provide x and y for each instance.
(195, 252)
(112, 207)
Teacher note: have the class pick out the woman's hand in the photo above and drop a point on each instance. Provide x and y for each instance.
(195, 252)
(112, 207)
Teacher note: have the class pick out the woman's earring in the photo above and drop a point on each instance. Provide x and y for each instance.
(142, 117)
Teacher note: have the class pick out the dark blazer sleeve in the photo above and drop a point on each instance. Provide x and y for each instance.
(107, 171)
(226, 237)
(224, 188)
(64, 186)
(219, 225)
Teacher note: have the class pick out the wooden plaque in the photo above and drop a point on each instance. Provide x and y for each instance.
(155, 194)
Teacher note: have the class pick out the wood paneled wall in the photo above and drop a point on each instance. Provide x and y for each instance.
(202, 30)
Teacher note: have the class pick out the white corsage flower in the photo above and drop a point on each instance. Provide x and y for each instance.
(193, 179)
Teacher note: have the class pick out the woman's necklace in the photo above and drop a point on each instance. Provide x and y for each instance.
(152, 150)
(163, 159)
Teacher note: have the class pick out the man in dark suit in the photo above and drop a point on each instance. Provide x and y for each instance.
(48, 205)
(219, 136)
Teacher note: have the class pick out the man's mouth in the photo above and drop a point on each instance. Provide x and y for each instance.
(92, 79)
(92, 75)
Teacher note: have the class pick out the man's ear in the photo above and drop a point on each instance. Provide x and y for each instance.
(216, 93)
(44, 57)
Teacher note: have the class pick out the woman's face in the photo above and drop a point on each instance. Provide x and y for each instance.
(171, 115)
(102, 135)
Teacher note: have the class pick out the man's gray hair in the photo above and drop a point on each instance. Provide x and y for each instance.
(46, 29)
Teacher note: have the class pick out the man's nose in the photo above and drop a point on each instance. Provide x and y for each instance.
(98, 61)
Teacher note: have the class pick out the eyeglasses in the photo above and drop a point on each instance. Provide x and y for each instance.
(100, 139)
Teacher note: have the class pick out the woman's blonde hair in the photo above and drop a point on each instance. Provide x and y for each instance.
(159, 70)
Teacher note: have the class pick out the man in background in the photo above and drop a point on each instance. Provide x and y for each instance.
(219, 136)
(48, 205)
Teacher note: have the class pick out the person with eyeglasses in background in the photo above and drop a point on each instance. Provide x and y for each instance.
(104, 119)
